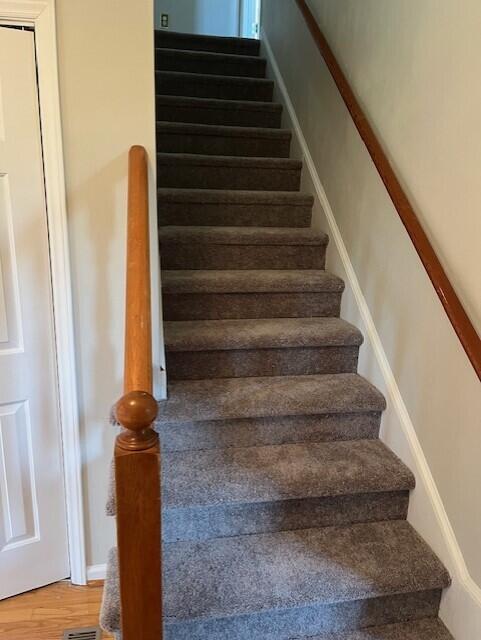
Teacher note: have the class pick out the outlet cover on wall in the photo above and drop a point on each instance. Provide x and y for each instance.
(164, 20)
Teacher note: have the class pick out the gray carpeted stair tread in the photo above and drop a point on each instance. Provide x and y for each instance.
(425, 629)
(217, 111)
(199, 171)
(189, 128)
(223, 398)
(110, 609)
(204, 85)
(199, 42)
(212, 139)
(219, 207)
(241, 248)
(301, 580)
(260, 431)
(241, 236)
(233, 196)
(255, 281)
(261, 333)
(209, 62)
(281, 472)
(291, 569)
(199, 160)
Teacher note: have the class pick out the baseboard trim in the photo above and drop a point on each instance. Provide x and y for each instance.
(96, 572)
(461, 603)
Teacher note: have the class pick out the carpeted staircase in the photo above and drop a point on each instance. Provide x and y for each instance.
(284, 515)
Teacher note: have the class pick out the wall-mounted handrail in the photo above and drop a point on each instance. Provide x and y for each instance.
(455, 311)
(137, 451)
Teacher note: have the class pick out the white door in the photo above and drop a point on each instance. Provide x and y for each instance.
(33, 536)
(250, 17)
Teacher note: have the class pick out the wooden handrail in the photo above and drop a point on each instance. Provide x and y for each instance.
(455, 311)
(138, 323)
(137, 450)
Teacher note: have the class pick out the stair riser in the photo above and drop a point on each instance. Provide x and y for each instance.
(220, 114)
(251, 432)
(178, 175)
(203, 523)
(303, 622)
(223, 145)
(218, 256)
(220, 306)
(233, 215)
(168, 84)
(195, 43)
(166, 61)
(196, 365)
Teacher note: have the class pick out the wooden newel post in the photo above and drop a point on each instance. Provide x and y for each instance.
(137, 478)
(137, 450)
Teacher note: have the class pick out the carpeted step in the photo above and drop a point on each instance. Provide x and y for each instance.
(299, 583)
(191, 171)
(194, 42)
(241, 248)
(262, 347)
(232, 398)
(217, 295)
(225, 112)
(209, 62)
(234, 208)
(259, 431)
(229, 492)
(208, 139)
(331, 482)
(178, 83)
(425, 629)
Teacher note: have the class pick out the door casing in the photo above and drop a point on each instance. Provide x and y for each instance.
(40, 14)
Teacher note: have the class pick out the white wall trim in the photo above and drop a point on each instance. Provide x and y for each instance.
(41, 15)
(96, 572)
(461, 604)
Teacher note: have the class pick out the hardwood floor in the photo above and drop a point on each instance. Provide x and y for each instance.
(44, 614)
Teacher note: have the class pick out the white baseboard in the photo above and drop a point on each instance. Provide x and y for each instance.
(461, 603)
(96, 572)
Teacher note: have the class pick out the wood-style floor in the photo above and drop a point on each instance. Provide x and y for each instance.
(44, 614)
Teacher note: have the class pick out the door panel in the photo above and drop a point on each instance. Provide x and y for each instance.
(19, 500)
(33, 537)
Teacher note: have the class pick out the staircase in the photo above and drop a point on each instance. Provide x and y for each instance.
(284, 515)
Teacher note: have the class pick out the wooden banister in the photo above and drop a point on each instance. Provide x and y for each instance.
(455, 311)
(137, 450)
(138, 324)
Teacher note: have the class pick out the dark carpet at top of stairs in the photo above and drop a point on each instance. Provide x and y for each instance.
(209, 62)
(217, 111)
(195, 42)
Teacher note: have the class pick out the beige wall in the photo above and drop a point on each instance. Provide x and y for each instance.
(414, 67)
(107, 103)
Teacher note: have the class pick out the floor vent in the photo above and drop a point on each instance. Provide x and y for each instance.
(92, 633)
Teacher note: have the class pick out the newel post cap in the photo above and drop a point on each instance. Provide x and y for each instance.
(136, 411)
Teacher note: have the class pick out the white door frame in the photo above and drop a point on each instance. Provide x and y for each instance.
(40, 14)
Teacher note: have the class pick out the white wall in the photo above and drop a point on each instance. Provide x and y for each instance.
(107, 102)
(211, 17)
(411, 351)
